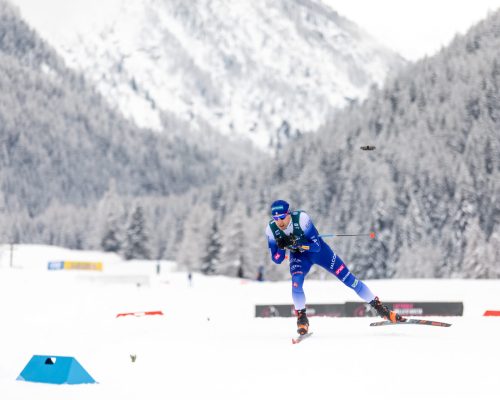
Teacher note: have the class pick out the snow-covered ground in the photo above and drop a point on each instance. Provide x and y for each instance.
(209, 345)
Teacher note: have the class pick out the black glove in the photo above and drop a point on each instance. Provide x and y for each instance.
(282, 242)
(286, 241)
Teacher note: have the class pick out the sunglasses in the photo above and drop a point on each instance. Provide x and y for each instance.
(280, 216)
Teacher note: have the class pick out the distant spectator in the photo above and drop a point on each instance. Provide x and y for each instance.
(260, 274)
(241, 272)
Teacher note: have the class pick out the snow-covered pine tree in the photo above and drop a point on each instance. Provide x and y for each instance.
(110, 212)
(137, 240)
(210, 259)
(195, 236)
(475, 263)
(236, 239)
(232, 239)
(111, 240)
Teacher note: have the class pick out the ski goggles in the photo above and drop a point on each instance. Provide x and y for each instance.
(280, 216)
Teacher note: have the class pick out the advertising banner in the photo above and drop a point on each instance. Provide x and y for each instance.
(83, 265)
(287, 310)
(55, 265)
(406, 308)
(78, 265)
(358, 309)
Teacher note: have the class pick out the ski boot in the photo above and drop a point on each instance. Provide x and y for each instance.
(302, 322)
(384, 312)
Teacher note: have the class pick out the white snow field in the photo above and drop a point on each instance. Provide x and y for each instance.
(209, 345)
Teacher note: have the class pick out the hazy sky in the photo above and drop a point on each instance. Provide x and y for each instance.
(413, 28)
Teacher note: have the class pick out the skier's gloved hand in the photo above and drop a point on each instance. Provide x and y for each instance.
(293, 241)
(294, 245)
(284, 242)
(295, 249)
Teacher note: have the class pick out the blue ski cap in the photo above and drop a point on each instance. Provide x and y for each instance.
(279, 207)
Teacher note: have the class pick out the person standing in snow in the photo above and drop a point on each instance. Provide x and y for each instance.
(295, 232)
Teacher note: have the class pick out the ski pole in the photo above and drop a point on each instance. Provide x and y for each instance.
(371, 234)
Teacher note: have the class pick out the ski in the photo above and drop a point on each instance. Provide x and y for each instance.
(411, 321)
(300, 338)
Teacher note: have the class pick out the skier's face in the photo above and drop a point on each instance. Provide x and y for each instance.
(283, 223)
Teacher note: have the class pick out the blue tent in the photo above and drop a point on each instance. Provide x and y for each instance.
(55, 369)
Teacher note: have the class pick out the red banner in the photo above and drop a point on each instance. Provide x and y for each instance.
(139, 313)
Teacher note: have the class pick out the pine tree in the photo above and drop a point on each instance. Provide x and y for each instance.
(210, 260)
(136, 244)
(233, 241)
(110, 211)
(111, 240)
(195, 236)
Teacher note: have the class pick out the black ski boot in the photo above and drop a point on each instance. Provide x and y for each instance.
(302, 322)
(384, 312)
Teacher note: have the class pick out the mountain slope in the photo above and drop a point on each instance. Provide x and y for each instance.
(60, 143)
(430, 190)
(265, 69)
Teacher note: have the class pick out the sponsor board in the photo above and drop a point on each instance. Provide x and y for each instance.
(77, 265)
(407, 308)
(288, 310)
(55, 265)
(358, 309)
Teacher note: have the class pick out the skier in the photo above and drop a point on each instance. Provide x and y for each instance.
(294, 231)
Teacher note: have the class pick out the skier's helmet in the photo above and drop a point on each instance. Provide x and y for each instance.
(280, 207)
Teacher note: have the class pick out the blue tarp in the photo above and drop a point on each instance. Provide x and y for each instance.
(55, 369)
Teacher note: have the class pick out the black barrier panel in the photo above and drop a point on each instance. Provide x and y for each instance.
(277, 310)
(356, 309)
(287, 310)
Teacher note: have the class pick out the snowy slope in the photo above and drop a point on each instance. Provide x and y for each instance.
(263, 69)
(208, 344)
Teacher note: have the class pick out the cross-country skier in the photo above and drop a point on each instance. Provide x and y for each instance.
(294, 231)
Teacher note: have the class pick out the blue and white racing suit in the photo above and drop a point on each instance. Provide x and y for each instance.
(319, 253)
